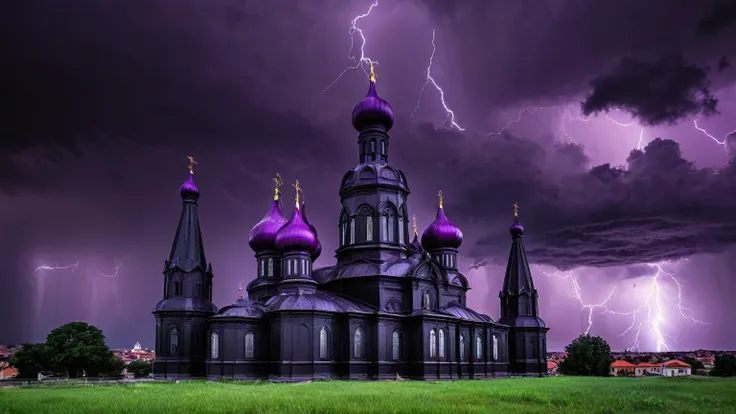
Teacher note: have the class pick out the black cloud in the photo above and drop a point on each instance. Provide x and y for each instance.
(720, 17)
(659, 92)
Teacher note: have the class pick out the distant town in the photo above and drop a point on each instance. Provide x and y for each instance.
(626, 363)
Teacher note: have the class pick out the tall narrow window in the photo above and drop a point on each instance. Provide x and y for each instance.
(395, 346)
(288, 267)
(442, 343)
(342, 233)
(462, 347)
(177, 288)
(383, 147)
(173, 341)
(358, 343)
(384, 227)
(401, 230)
(369, 228)
(425, 300)
(373, 146)
(323, 343)
(270, 266)
(495, 347)
(390, 227)
(262, 266)
(478, 348)
(214, 345)
(352, 230)
(249, 345)
(432, 344)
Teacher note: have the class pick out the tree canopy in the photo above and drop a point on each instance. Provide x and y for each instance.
(725, 366)
(587, 355)
(30, 359)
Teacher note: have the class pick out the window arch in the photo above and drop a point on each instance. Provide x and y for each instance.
(478, 347)
(214, 345)
(462, 347)
(495, 347)
(432, 344)
(365, 217)
(358, 343)
(249, 345)
(174, 341)
(442, 343)
(395, 346)
(323, 342)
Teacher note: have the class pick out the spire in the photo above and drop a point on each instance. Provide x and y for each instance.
(187, 251)
(518, 277)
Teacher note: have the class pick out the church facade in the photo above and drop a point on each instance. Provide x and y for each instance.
(393, 305)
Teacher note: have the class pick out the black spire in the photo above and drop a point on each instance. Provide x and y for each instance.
(518, 297)
(187, 251)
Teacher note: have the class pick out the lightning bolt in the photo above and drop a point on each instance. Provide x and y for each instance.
(430, 80)
(110, 275)
(590, 307)
(723, 142)
(652, 311)
(358, 60)
(74, 267)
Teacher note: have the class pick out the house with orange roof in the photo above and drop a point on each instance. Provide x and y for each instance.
(622, 368)
(552, 367)
(8, 373)
(676, 368)
(647, 368)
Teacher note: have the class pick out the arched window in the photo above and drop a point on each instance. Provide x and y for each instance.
(343, 228)
(495, 347)
(432, 344)
(442, 343)
(390, 226)
(352, 230)
(358, 343)
(478, 347)
(173, 341)
(395, 346)
(373, 145)
(323, 343)
(270, 266)
(249, 345)
(214, 345)
(369, 228)
(384, 227)
(462, 347)
(425, 300)
(383, 147)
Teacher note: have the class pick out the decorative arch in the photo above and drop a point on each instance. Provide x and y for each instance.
(460, 280)
(367, 173)
(324, 341)
(389, 173)
(396, 345)
(359, 343)
(366, 223)
(347, 179)
(389, 223)
(392, 305)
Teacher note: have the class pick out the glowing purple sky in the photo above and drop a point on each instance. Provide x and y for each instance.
(103, 103)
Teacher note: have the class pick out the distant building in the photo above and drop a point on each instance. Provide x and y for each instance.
(7, 373)
(621, 367)
(137, 346)
(676, 368)
(552, 367)
(390, 306)
(671, 368)
(648, 368)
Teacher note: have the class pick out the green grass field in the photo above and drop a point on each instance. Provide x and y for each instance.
(558, 395)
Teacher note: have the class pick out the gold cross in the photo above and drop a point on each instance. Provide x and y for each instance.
(277, 189)
(516, 209)
(442, 198)
(192, 163)
(298, 192)
(373, 73)
(414, 224)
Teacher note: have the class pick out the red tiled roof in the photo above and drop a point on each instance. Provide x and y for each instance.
(646, 365)
(676, 363)
(551, 365)
(622, 364)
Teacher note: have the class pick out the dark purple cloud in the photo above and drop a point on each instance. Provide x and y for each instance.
(660, 92)
(720, 17)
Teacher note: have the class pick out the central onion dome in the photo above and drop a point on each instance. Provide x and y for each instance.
(189, 189)
(442, 233)
(296, 235)
(373, 110)
(318, 250)
(263, 235)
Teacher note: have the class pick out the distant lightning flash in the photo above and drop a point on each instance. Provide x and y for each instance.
(73, 267)
(723, 142)
(651, 314)
(579, 296)
(359, 60)
(429, 79)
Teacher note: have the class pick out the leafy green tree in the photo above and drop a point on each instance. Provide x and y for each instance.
(587, 355)
(694, 363)
(725, 366)
(140, 368)
(77, 347)
(30, 359)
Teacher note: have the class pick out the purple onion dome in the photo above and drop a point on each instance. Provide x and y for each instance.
(189, 189)
(442, 233)
(516, 229)
(263, 235)
(318, 250)
(373, 110)
(296, 235)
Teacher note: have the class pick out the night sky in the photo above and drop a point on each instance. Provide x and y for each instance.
(101, 102)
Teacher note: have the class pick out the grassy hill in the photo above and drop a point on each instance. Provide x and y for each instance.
(537, 395)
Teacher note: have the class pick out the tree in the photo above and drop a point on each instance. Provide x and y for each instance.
(140, 368)
(77, 347)
(30, 359)
(725, 366)
(694, 364)
(587, 355)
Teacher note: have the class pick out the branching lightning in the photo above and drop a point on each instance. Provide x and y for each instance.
(74, 267)
(429, 79)
(723, 142)
(359, 60)
(651, 315)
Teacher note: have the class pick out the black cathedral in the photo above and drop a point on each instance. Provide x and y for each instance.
(391, 306)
